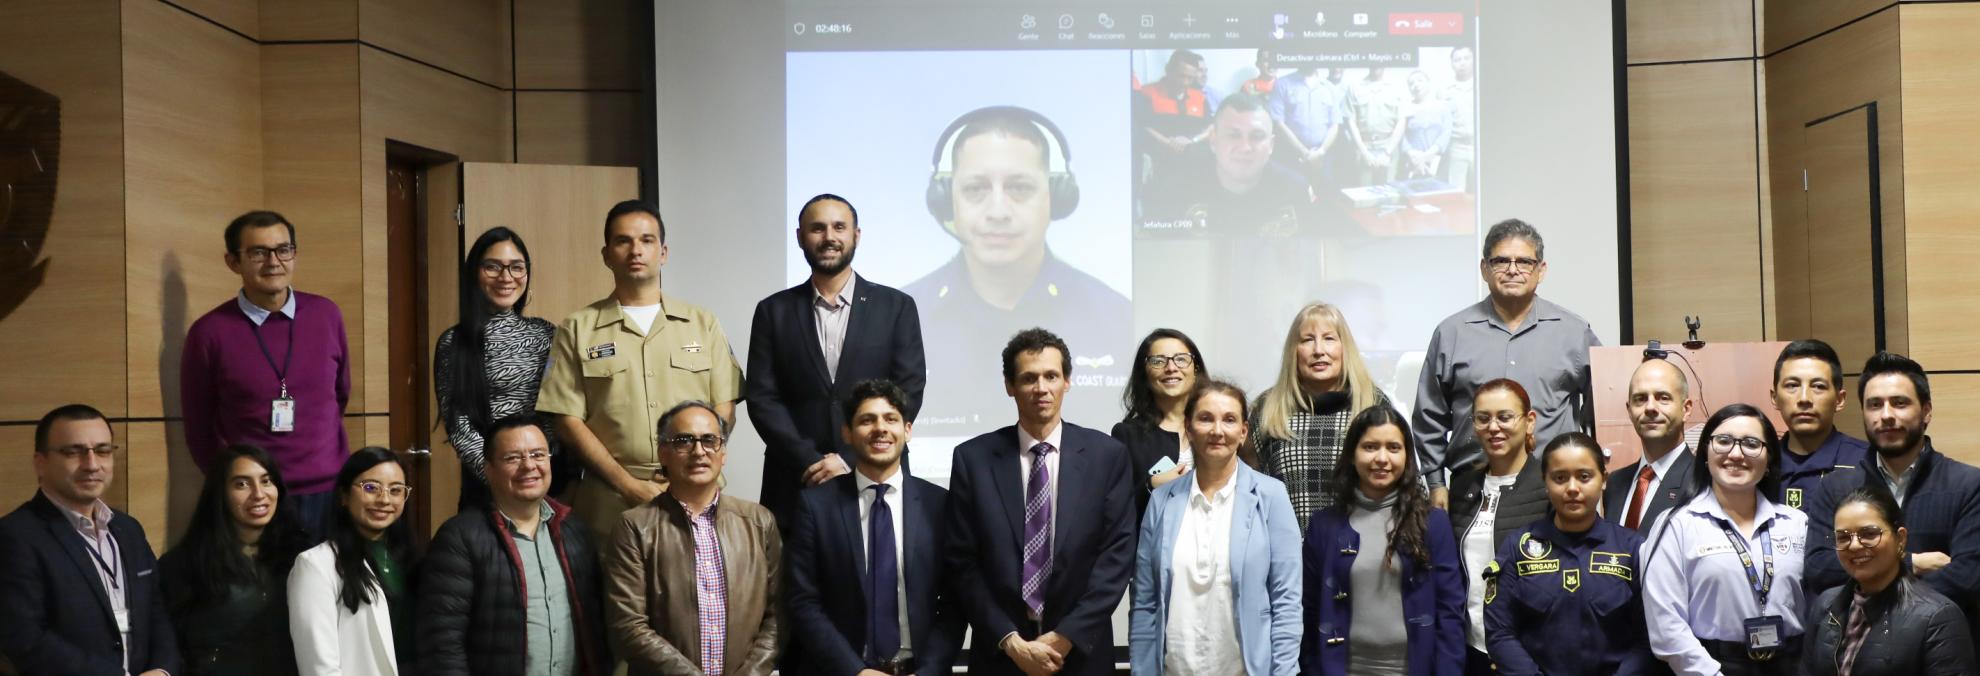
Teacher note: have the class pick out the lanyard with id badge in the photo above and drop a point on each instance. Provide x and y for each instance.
(1764, 633)
(281, 411)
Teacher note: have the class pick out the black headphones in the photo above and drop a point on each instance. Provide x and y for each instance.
(1064, 189)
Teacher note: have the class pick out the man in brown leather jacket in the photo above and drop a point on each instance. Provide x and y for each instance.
(692, 578)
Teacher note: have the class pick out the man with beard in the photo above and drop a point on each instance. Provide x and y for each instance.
(1940, 495)
(811, 343)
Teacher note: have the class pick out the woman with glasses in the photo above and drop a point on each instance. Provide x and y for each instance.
(1300, 423)
(350, 602)
(1884, 622)
(225, 582)
(1495, 497)
(1166, 368)
(1722, 571)
(1563, 595)
(1382, 591)
(489, 365)
(1217, 568)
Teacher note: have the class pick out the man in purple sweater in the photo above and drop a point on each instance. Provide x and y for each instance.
(270, 367)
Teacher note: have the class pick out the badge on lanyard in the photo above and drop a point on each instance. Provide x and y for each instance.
(1763, 636)
(282, 414)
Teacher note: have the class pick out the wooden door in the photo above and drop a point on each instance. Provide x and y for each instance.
(1844, 243)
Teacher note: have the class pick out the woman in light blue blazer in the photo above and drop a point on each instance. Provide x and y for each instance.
(1217, 572)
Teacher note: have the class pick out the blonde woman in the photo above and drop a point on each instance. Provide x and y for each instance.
(1301, 422)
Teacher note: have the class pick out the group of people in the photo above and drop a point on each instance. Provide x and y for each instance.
(1314, 528)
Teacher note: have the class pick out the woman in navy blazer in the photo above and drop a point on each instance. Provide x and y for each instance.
(1378, 493)
(1260, 570)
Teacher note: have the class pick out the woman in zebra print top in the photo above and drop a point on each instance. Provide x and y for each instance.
(488, 366)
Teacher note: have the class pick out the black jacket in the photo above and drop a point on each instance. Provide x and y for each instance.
(1147, 443)
(1941, 514)
(1520, 504)
(1914, 631)
(471, 599)
(55, 617)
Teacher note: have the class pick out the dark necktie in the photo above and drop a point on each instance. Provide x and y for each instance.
(1037, 530)
(1641, 495)
(883, 628)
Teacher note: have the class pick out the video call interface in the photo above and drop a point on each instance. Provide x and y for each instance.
(1104, 172)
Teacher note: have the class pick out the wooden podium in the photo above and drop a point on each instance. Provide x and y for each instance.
(1719, 374)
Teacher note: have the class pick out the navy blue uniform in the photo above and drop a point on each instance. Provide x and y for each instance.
(1800, 476)
(1567, 603)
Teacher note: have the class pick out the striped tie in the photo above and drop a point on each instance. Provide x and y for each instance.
(1037, 530)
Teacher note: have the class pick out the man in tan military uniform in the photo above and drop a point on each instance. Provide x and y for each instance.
(621, 362)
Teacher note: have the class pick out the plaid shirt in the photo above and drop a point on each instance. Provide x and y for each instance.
(1305, 462)
(711, 589)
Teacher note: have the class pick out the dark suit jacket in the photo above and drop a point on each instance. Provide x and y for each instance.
(1147, 443)
(1092, 551)
(1670, 491)
(55, 616)
(795, 405)
(826, 580)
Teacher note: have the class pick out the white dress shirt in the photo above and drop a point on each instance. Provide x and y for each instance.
(894, 483)
(1694, 586)
(1659, 471)
(1202, 626)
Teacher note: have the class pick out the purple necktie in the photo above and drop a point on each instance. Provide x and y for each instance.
(1037, 530)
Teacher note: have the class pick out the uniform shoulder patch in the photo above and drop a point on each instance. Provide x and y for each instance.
(1612, 563)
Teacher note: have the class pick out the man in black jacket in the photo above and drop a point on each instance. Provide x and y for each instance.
(1940, 496)
(78, 589)
(514, 590)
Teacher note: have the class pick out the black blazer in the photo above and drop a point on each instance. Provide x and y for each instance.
(795, 405)
(1147, 443)
(825, 574)
(55, 618)
(1670, 491)
(1092, 555)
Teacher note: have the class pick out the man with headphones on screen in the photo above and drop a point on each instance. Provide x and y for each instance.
(1001, 175)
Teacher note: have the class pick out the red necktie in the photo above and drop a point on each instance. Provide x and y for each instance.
(1636, 502)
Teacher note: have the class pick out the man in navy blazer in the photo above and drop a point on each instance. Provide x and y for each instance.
(1040, 557)
(78, 579)
(809, 344)
(832, 564)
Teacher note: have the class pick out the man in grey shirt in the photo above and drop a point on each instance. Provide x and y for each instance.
(1511, 334)
(521, 566)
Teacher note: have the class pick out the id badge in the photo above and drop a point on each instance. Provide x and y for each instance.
(1763, 633)
(123, 621)
(282, 415)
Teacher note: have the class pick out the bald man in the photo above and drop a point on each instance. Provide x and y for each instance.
(1659, 401)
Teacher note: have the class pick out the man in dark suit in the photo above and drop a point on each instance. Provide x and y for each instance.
(1659, 401)
(866, 587)
(1041, 527)
(78, 578)
(810, 343)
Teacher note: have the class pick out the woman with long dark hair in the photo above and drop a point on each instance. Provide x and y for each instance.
(489, 365)
(1883, 622)
(225, 583)
(1299, 424)
(350, 598)
(1165, 370)
(1383, 595)
(1722, 571)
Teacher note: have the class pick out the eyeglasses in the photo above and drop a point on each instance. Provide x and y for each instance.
(496, 268)
(1162, 361)
(685, 444)
(101, 451)
(260, 254)
(1723, 444)
(516, 459)
(1505, 419)
(1521, 264)
(393, 491)
(1867, 536)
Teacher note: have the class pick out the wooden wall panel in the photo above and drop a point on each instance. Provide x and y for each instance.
(411, 103)
(17, 479)
(154, 482)
(1688, 30)
(1955, 426)
(1789, 21)
(68, 49)
(1694, 191)
(1940, 71)
(576, 44)
(470, 37)
(588, 128)
(240, 15)
(310, 171)
(1848, 68)
(192, 140)
(309, 19)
